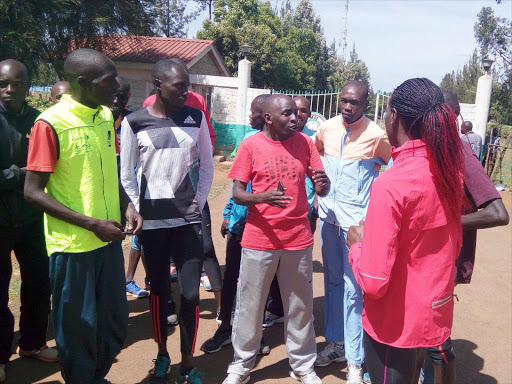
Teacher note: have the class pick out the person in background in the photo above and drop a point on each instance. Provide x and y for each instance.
(59, 88)
(233, 226)
(82, 218)
(353, 149)
(403, 255)
(277, 238)
(470, 137)
(169, 145)
(21, 226)
(119, 112)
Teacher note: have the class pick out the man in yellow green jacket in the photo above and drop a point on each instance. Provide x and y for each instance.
(72, 177)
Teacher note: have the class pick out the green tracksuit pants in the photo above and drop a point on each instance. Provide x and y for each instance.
(90, 312)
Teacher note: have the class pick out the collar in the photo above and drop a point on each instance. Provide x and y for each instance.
(413, 148)
(355, 124)
(23, 111)
(77, 108)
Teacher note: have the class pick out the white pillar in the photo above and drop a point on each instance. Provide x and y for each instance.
(376, 107)
(483, 102)
(244, 82)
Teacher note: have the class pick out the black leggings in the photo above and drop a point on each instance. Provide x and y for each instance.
(185, 245)
(233, 257)
(211, 264)
(387, 364)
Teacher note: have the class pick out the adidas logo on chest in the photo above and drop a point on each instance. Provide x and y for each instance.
(189, 120)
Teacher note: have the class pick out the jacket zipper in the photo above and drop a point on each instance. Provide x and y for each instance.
(103, 185)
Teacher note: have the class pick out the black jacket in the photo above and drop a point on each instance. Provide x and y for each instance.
(15, 212)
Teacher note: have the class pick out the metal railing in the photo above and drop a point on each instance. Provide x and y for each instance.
(326, 102)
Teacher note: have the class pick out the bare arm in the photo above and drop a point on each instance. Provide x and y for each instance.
(35, 183)
(494, 214)
(272, 197)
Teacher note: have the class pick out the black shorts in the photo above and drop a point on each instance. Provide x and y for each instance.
(442, 354)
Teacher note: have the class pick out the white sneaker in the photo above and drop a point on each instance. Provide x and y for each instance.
(310, 378)
(234, 378)
(354, 374)
(334, 352)
(172, 319)
(2, 373)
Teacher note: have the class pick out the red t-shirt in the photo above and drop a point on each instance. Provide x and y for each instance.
(264, 163)
(42, 148)
(479, 191)
(194, 100)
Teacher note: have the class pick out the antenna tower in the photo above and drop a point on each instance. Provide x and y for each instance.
(344, 33)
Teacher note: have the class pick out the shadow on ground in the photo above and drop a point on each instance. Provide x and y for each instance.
(469, 364)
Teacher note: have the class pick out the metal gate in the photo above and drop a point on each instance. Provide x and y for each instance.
(327, 102)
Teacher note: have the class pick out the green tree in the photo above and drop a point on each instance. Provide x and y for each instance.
(463, 82)
(494, 36)
(33, 31)
(172, 18)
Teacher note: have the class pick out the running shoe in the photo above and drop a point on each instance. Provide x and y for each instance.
(221, 338)
(134, 290)
(366, 378)
(205, 282)
(147, 284)
(174, 273)
(217, 318)
(192, 377)
(172, 317)
(310, 378)
(354, 374)
(271, 319)
(162, 367)
(48, 355)
(264, 348)
(234, 378)
(333, 352)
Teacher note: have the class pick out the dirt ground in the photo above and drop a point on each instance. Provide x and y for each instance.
(482, 331)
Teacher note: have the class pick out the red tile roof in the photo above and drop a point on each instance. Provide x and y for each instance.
(149, 49)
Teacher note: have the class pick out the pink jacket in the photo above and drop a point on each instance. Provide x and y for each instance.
(405, 264)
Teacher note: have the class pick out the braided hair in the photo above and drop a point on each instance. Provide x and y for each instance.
(420, 104)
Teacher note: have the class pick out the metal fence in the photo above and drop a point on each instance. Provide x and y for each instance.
(326, 102)
(498, 164)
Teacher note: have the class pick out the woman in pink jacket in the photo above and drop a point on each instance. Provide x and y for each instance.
(405, 261)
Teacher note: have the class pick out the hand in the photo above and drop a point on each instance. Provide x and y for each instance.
(276, 198)
(355, 234)
(108, 230)
(320, 180)
(224, 228)
(133, 217)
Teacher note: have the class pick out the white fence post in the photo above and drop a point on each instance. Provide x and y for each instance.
(376, 107)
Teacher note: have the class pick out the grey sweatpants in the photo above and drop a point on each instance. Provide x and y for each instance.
(294, 274)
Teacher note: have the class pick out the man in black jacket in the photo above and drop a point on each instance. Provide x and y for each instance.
(21, 225)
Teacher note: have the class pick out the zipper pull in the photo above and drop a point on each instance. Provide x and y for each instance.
(455, 295)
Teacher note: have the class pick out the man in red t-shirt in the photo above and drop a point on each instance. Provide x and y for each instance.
(277, 238)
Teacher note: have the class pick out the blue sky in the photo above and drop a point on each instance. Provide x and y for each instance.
(406, 38)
